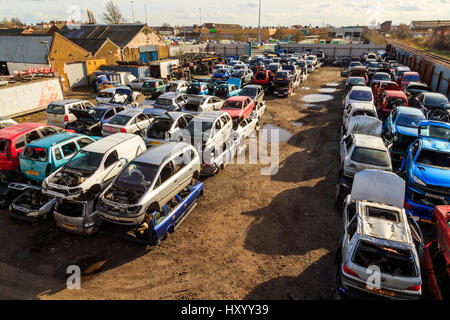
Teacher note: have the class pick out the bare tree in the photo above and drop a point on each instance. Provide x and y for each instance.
(112, 13)
(91, 16)
(165, 24)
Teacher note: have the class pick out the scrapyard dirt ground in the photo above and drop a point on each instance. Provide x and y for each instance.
(251, 236)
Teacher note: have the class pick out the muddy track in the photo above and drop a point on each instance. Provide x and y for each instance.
(251, 236)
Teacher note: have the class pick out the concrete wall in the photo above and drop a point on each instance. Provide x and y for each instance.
(434, 74)
(176, 51)
(30, 97)
(19, 66)
(335, 50)
(230, 49)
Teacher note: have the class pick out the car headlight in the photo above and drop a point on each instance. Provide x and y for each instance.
(75, 190)
(418, 181)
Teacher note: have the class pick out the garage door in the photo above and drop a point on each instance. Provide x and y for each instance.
(76, 74)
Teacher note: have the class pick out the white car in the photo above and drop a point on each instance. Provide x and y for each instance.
(137, 84)
(168, 126)
(133, 121)
(178, 86)
(92, 168)
(209, 133)
(106, 95)
(357, 109)
(358, 94)
(58, 112)
(199, 103)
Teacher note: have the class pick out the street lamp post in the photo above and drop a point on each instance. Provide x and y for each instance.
(132, 9)
(259, 23)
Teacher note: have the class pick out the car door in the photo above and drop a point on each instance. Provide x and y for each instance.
(350, 227)
(111, 166)
(183, 169)
(178, 128)
(142, 123)
(216, 103)
(346, 145)
(68, 150)
(166, 185)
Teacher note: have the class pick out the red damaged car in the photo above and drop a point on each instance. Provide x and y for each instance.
(390, 100)
(436, 257)
(14, 138)
(263, 78)
(408, 77)
(238, 107)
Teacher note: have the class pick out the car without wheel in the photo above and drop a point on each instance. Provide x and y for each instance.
(133, 121)
(58, 112)
(199, 103)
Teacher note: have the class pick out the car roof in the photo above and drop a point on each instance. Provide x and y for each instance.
(395, 93)
(66, 101)
(103, 145)
(114, 89)
(252, 86)
(170, 95)
(409, 110)
(54, 139)
(131, 112)
(105, 107)
(158, 154)
(18, 129)
(209, 115)
(361, 88)
(363, 106)
(433, 94)
(365, 141)
(237, 98)
(410, 73)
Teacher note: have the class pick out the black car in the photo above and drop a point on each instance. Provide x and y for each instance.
(413, 89)
(429, 101)
(89, 122)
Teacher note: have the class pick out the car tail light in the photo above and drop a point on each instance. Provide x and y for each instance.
(408, 206)
(123, 130)
(349, 271)
(66, 118)
(207, 165)
(414, 288)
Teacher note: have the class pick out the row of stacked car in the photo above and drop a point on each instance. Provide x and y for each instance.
(395, 169)
(136, 165)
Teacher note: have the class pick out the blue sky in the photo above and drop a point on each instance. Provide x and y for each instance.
(244, 12)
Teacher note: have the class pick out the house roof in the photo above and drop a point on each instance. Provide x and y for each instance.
(24, 48)
(11, 31)
(91, 45)
(120, 34)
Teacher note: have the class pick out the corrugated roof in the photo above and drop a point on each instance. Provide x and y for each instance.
(91, 45)
(430, 24)
(26, 49)
(120, 34)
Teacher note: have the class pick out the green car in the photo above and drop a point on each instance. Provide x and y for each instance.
(155, 88)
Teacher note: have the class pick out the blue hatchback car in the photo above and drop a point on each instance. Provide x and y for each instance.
(427, 170)
(401, 129)
(44, 156)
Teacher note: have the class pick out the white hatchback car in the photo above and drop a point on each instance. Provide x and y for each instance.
(358, 94)
(58, 112)
(92, 168)
(166, 127)
(133, 121)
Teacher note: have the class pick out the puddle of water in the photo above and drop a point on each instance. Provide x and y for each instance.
(314, 98)
(298, 124)
(274, 134)
(332, 84)
(327, 90)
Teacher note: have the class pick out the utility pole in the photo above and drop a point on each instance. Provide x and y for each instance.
(132, 10)
(200, 10)
(145, 9)
(259, 23)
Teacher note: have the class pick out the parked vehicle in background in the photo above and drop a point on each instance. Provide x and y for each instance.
(390, 100)
(201, 103)
(92, 168)
(171, 101)
(360, 72)
(254, 92)
(198, 88)
(230, 89)
(154, 88)
(358, 94)
(399, 71)
(274, 67)
(137, 84)
(400, 130)
(429, 101)
(408, 77)
(89, 122)
(381, 86)
(6, 122)
(77, 217)
(178, 86)
(58, 112)
(133, 121)
(109, 84)
(245, 75)
(380, 76)
(239, 107)
(209, 133)
(222, 74)
(351, 66)
(148, 182)
(264, 78)
(413, 89)
(357, 109)
(124, 96)
(436, 257)
(166, 127)
(426, 169)
(378, 236)
(311, 62)
(353, 81)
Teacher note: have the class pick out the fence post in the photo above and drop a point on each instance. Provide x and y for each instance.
(438, 82)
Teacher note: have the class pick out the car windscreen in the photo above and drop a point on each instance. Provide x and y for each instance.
(395, 102)
(96, 114)
(371, 156)
(434, 159)
(193, 89)
(248, 92)
(361, 95)
(355, 64)
(221, 71)
(55, 109)
(281, 75)
(382, 76)
(374, 65)
(194, 127)
(410, 120)
(158, 128)
(232, 105)
(137, 175)
(435, 132)
(411, 77)
(393, 261)
(435, 100)
(120, 120)
(164, 101)
(35, 154)
(221, 91)
(357, 81)
(85, 161)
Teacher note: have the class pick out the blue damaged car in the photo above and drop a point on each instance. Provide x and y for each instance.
(427, 170)
(400, 130)
(222, 74)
